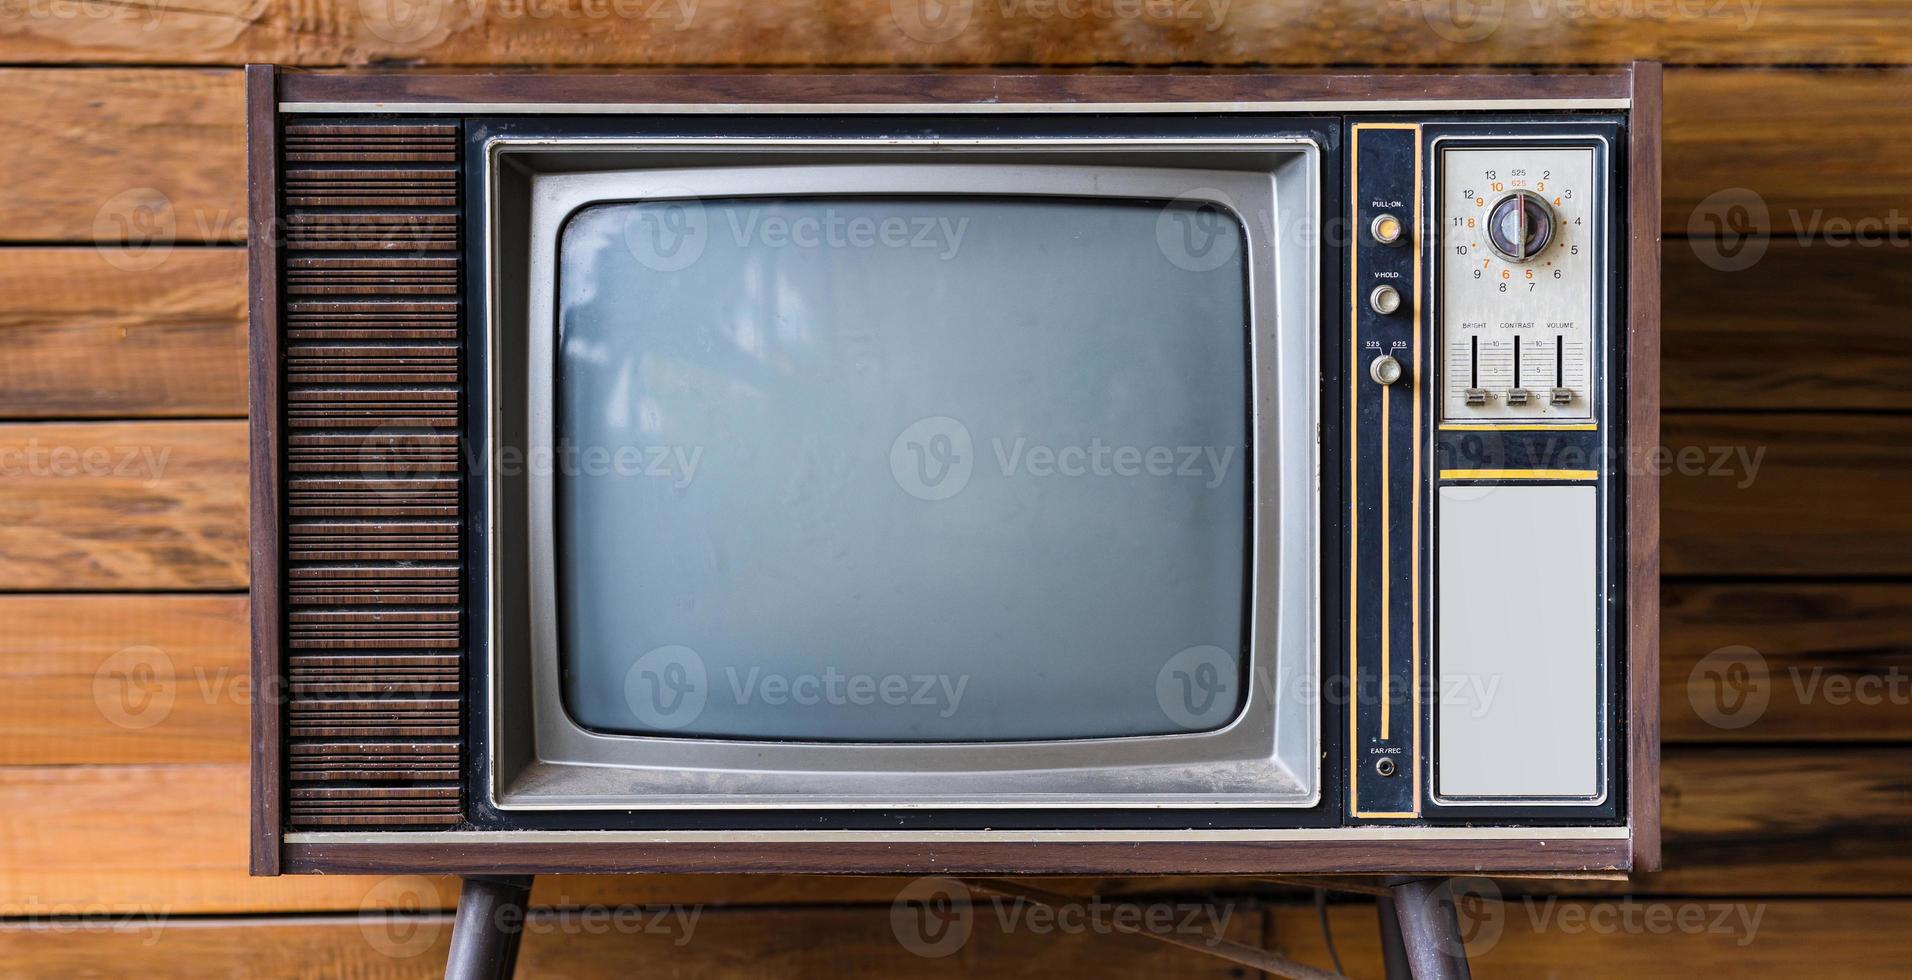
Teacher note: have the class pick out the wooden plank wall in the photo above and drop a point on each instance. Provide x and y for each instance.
(1788, 551)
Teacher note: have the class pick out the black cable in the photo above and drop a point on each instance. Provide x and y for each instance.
(1327, 933)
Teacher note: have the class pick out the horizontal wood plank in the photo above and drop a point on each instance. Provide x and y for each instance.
(85, 335)
(110, 679)
(122, 505)
(158, 840)
(152, 157)
(1751, 495)
(1786, 325)
(1786, 662)
(170, 839)
(965, 32)
(1672, 938)
(80, 336)
(113, 679)
(1785, 821)
(836, 943)
(1510, 937)
(134, 160)
(159, 505)
(1743, 820)
(1738, 821)
(1825, 155)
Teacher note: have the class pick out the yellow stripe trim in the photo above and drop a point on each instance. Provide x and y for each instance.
(1520, 474)
(1354, 473)
(1552, 427)
(1387, 608)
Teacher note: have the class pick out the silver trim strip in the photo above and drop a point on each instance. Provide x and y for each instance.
(1346, 834)
(951, 108)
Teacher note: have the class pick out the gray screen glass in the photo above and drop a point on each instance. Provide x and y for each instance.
(910, 469)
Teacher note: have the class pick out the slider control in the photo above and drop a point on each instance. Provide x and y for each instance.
(1561, 395)
(1476, 395)
(1517, 395)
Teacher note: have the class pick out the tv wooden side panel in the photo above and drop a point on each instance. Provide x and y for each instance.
(1643, 482)
(263, 477)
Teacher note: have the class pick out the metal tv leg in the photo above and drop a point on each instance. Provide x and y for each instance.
(1393, 949)
(490, 924)
(1430, 929)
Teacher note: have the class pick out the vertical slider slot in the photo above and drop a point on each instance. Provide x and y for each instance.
(1561, 394)
(1475, 394)
(1517, 395)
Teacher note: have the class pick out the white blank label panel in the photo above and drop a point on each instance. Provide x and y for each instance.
(1518, 239)
(1518, 662)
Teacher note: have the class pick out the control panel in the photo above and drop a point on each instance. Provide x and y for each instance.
(1518, 232)
(1481, 470)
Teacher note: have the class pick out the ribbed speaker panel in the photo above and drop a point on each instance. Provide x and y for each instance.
(371, 277)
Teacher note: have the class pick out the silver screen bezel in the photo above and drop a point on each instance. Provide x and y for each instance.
(1264, 757)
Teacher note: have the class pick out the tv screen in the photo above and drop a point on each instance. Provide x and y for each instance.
(878, 468)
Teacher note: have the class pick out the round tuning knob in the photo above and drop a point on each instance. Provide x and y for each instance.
(1520, 225)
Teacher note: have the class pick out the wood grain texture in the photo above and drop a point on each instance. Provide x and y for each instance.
(1744, 820)
(108, 679)
(1672, 939)
(156, 151)
(265, 472)
(136, 160)
(1825, 154)
(985, 858)
(1804, 662)
(837, 943)
(1792, 820)
(1541, 936)
(1645, 180)
(145, 839)
(998, 89)
(82, 335)
(967, 32)
(1752, 495)
(1805, 326)
(1834, 663)
(122, 505)
(1782, 821)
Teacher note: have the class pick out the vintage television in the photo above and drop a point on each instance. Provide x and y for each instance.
(899, 473)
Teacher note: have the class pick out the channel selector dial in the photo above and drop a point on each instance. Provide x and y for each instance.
(1520, 225)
